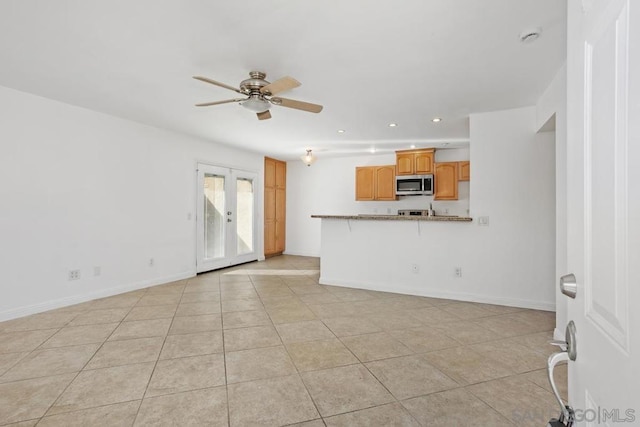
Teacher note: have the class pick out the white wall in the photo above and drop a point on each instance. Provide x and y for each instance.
(553, 103)
(328, 187)
(81, 189)
(513, 183)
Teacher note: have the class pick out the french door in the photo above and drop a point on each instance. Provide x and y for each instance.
(226, 217)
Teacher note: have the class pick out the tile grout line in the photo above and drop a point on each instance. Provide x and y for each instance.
(85, 365)
(158, 357)
(290, 359)
(315, 405)
(224, 356)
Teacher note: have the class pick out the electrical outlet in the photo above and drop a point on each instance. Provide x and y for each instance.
(483, 220)
(188, 216)
(458, 271)
(152, 262)
(74, 274)
(415, 268)
(97, 270)
(446, 211)
(388, 210)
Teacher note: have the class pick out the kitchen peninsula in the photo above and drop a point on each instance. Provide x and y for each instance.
(416, 255)
(375, 217)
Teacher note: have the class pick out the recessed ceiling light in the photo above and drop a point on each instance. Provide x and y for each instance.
(436, 120)
(392, 125)
(373, 149)
(340, 130)
(413, 145)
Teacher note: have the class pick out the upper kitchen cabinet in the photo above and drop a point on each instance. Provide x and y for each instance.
(375, 183)
(446, 177)
(464, 171)
(385, 188)
(365, 183)
(414, 162)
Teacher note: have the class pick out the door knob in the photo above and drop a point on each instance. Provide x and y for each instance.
(228, 212)
(569, 285)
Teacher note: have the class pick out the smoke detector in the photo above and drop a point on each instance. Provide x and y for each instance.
(530, 35)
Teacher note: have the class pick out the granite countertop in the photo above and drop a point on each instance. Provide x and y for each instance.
(375, 217)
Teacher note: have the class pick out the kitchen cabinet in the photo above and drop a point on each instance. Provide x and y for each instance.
(376, 183)
(414, 162)
(446, 181)
(464, 171)
(275, 181)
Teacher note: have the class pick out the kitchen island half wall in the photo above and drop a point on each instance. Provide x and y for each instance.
(426, 256)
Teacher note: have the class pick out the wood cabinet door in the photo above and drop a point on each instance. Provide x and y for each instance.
(365, 183)
(446, 177)
(269, 172)
(464, 171)
(275, 181)
(385, 183)
(281, 219)
(405, 163)
(424, 162)
(269, 220)
(281, 174)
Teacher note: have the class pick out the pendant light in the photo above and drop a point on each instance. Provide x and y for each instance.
(308, 158)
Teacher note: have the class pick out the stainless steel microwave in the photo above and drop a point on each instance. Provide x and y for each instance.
(414, 185)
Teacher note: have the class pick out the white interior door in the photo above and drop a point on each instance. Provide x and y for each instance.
(226, 217)
(604, 209)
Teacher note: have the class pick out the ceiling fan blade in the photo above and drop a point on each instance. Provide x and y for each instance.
(280, 85)
(226, 101)
(298, 105)
(213, 82)
(265, 115)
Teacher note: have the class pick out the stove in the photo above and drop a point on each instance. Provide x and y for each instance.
(409, 212)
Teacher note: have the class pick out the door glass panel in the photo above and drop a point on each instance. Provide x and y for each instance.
(244, 215)
(214, 216)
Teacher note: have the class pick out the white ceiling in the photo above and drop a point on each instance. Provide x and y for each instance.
(368, 62)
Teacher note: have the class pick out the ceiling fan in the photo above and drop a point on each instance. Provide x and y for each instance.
(260, 94)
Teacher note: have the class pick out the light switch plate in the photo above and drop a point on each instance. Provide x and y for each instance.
(483, 220)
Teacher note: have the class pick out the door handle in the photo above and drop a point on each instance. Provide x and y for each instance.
(568, 352)
(569, 285)
(228, 219)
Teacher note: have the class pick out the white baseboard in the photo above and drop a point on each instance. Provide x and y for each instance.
(307, 254)
(77, 299)
(458, 296)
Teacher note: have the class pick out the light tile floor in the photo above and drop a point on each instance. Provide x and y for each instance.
(265, 344)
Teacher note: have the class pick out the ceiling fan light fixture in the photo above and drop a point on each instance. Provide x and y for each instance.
(308, 159)
(256, 103)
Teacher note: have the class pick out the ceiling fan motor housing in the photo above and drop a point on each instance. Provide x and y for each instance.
(254, 83)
